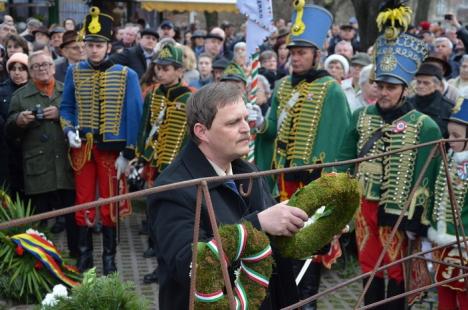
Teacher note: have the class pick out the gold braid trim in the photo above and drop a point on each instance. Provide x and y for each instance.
(299, 128)
(171, 133)
(99, 97)
(442, 210)
(399, 168)
(78, 161)
(370, 172)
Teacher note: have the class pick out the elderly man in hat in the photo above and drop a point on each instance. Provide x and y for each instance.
(351, 85)
(390, 124)
(163, 126)
(307, 121)
(100, 113)
(138, 57)
(429, 99)
(72, 51)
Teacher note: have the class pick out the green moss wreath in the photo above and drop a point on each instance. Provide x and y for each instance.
(243, 244)
(336, 196)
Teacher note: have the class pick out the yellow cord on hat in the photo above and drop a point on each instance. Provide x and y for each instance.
(298, 26)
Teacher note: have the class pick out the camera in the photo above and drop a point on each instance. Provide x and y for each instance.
(38, 112)
(448, 16)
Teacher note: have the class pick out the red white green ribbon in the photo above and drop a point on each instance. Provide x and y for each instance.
(255, 276)
(213, 247)
(242, 302)
(259, 256)
(242, 240)
(212, 297)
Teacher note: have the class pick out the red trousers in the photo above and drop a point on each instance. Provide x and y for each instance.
(100, 171)
(371, 240)
(452, 295)
(450, 299)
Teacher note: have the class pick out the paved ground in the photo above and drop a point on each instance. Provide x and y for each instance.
(132, 266)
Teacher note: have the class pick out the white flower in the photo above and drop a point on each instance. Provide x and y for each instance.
(51, 298)
(37, 233)
(60, 290)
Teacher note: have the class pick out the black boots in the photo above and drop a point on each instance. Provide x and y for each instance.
(85, 249)
(395, 288)
(109, 248)
(375, 293)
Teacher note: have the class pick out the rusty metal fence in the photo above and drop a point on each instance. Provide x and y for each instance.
(203, 194)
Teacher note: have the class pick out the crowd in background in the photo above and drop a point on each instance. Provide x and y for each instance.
(207, 52)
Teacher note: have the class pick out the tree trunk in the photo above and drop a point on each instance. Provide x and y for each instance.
(422, 11)
(366, 14)
(282, 9)
(211, 19)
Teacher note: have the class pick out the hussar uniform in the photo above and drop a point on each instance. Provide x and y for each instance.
(305, 125)
(102, 104)
(388, 181)
(443, 226)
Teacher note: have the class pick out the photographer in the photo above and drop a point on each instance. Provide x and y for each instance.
(33, 119)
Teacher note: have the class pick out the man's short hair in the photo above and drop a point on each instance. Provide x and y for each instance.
(266, 55)
(203, 105)
(443, 39)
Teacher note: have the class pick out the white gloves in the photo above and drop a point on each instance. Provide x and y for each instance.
(121, 164)
(255, 115)
(411, 235)
(74, 140)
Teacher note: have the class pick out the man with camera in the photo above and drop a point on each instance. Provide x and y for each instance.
(33, 118)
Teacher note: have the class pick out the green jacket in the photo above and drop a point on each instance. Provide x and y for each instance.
(163, 125)
(442, 230)
(310, 131)
(46, 166)
(389, 180)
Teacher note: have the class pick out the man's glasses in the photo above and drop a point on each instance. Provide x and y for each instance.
(42, 66)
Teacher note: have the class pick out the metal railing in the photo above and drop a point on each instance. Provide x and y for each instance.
(203, 193)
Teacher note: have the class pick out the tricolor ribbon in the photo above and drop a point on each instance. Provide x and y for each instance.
(259, 256)
(242, 232)
(242, 301)
(255, 276)
(212, 297)
(241, 295)
(46, 253)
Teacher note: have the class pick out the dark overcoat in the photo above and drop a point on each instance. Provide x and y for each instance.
(172, 215)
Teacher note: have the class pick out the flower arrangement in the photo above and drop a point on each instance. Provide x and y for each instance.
(30, 265)
(96, 293)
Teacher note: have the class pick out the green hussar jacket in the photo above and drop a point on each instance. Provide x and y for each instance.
(390, 179)
(442, 230)
(306, 124)
(163, 126)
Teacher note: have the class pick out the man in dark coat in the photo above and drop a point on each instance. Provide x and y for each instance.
(138, 57)
(72, 51)
(219, 137)
(429, 99)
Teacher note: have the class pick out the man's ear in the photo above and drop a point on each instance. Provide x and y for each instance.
(109, 47)
(200, 132)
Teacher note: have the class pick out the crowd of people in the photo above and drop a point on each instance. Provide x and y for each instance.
(84, 106)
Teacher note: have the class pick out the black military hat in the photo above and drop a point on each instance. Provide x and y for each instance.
(151, 32)
(97, 27)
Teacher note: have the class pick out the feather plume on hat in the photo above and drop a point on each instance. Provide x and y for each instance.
(394, 18)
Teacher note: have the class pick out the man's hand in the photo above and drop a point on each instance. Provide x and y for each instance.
(51, 112)
(24, 118)
(282, 220)
(73, 140)
(255, 115)
(121, 164)
(411, 235)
